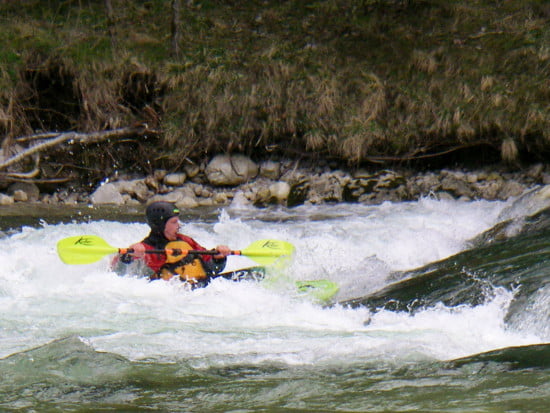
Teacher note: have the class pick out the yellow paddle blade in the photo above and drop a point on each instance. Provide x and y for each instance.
(321, 291)
(268, 251)
(83, 249)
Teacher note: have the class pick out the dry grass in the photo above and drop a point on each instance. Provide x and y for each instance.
(509, 151)
(355, 81)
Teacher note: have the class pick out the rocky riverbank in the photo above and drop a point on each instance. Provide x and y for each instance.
(237, 180)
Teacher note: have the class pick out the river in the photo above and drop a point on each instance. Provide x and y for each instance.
(443, 306)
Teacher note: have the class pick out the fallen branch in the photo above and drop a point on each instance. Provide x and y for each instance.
(36, 137)
(36, 181)
(415, 156)
(25, 175)
(71, 138)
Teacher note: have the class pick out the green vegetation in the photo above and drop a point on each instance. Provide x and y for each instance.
(357, 82)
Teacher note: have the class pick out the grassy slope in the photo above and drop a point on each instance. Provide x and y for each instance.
(354, 81)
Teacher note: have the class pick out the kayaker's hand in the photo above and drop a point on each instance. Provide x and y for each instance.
(139, 250)
(222, 252)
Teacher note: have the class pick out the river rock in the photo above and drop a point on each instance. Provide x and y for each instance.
(369, 187)
(24, 191)
(270, 170)
(6, 199)
(187, 202)
(230, 170)
(206, 202)
(424, 185)
(488, 189)
(389, 180)
(511, 189)
(327, 187)
(175, 179)
(262, 197)
(457, 186)
(276, 193)
(279, 192)
(291, 183)
(298, 193)
(20, 196)
(153, 181)
(192, 170)
(535, 172)
(71, 199)
(201, 192)
(183, 197)
(107, 193)
(136, 188)
(529, 203)
(221, 198)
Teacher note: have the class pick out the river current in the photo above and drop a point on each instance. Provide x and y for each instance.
(443, 306)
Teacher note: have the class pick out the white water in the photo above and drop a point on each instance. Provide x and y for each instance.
(42, 299)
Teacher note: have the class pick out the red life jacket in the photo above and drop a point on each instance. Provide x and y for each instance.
(155, 261)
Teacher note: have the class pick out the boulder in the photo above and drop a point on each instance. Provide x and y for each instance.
(511, 189)
(230, 170)
(389, 180)
(183, 197)
(275, 193)
(107, 194)
(26, 191)
(187, 202)
(364, 187)
(326, 187)
(456, 186)
(488, 189)
(136, 188)
(175, 179)
(279, 192)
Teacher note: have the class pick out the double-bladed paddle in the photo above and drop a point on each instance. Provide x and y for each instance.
(87, 249)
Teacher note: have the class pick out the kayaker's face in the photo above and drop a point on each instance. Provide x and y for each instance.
(171, 228)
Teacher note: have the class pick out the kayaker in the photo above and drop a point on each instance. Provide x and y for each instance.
(196, 269)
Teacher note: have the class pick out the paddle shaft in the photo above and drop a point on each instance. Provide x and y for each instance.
(176, 251)
(86, 249)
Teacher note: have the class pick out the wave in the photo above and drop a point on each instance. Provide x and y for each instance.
(513, 358)
(67, 374)
(511, 255)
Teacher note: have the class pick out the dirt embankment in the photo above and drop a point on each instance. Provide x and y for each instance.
(367, 85)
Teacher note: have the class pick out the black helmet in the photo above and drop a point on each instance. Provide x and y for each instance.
(158, 213)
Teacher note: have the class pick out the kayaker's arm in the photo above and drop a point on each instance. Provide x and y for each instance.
(222, 252)
(127, 255)
(218, 261)
(137, 250)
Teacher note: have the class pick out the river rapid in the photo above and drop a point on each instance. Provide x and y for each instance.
(443, 306)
